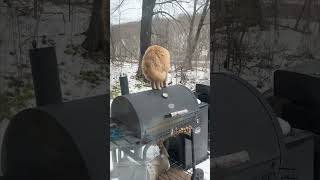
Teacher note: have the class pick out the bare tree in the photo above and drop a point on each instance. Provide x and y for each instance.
(193, 40)
(276, 14)
(96, 34)
(146, 26)
(145, 30)
(306, 9)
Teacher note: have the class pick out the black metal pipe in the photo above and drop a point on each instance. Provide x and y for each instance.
(45, 76)
(193, 155)
(124, 85)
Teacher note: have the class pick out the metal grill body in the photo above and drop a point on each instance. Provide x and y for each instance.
(43, 141)
(243, 121)
(148, 115)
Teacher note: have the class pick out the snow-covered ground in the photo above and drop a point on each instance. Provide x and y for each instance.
(282, 49)
(197, 75)
(80, 76)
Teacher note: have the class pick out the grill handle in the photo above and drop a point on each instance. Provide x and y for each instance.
(231, 160)
(176, 113)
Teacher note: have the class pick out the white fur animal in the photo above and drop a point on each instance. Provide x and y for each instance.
(159, 164)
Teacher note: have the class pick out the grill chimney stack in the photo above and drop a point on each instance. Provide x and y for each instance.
(45, 76)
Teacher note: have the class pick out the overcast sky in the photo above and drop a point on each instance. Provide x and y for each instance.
(131, 10)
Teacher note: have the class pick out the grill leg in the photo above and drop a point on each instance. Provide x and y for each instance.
(192, 149)
(144, 154)
(140, 152)
(114, 156)
(119, 155)
(197, 174)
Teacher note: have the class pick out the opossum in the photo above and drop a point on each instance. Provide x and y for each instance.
(156, 65)
(159, 164)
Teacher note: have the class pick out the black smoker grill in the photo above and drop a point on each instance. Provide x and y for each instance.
(151, 115)
(299, 90)
(56, 140)
(247, 139)
(248, 142)
(296, 98)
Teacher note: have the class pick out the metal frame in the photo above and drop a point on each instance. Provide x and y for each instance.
(127, 143)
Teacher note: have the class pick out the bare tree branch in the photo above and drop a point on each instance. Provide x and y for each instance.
(200, 7)
(171, 1)
(164, 12)
(118, 7)
(178, 4)
(177, 22)
(192, 42)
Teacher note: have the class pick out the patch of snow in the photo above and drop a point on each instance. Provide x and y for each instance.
(66, 36)
(197, 75)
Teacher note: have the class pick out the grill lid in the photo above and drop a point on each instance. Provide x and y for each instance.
(42, 141)
(300, 84)
(311, 68)
(243, 121)
(142, 112)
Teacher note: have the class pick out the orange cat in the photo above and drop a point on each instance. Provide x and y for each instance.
(156, 65)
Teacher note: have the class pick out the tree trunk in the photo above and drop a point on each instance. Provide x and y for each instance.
(190, 35)
(106, 29)
(212, 49)
(308, 18)
(35, 9)
(261, 20)
(145, 31)
(96, 36)
(300, 15)
(214, 16)
(192, 42)
(276, 14)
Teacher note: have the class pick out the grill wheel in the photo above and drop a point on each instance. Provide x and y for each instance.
(197, 174)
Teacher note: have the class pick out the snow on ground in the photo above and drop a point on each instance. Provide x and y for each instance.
(283, 49)
(130, 69)
(197, 75)
(80, 76)
(205, 166)
(70, 60)
(65, 36)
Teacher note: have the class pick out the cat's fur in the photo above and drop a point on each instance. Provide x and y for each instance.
(156, 65)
